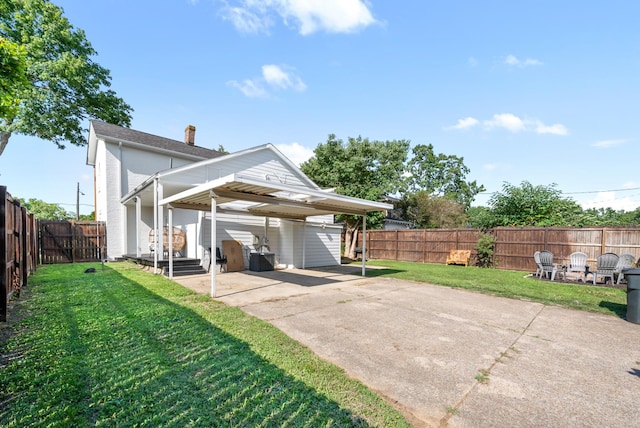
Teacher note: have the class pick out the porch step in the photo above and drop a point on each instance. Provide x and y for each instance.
(191, 267)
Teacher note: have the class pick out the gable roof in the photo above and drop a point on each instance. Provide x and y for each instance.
(119, 134)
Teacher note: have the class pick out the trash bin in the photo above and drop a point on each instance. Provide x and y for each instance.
(633, 294)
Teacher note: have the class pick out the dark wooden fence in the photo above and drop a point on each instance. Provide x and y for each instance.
(514, 246)
(18, 248)
(72, 241)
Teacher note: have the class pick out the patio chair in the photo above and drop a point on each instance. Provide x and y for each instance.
(606, 267)
(536, 258)
(626, 261)
(578, 263)
(221, 260)
(549, 268)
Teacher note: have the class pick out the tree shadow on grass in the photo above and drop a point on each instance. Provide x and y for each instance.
(617, 308)
(382, 272)
(115, 353)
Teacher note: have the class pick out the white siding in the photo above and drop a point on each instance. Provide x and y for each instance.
(322, 245)
(119, 169)
(242, 228)
(261, 164)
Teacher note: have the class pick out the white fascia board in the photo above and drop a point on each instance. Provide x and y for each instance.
(139, 188)
(319, 194)
(204, 187)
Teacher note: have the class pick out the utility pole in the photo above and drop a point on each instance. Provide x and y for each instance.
(78, 193)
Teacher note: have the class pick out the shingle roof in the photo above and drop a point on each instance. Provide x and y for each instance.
(115, 132)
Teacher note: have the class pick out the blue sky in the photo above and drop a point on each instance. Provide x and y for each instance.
(539, 91)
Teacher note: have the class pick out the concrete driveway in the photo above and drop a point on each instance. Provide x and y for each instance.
(448, 357)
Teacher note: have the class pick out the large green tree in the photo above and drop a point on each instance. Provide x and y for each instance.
(440, 175)
(13, 76)
(65, 86)
(428, 211)
(45, 211)
(359, 168)
(529, 205)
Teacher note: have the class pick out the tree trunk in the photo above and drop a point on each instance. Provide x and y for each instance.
(354, 243)
(351, 239)
(347, 241)
(4, 140)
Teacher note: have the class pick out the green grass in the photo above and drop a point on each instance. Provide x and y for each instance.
(510, 284)
(122, 347)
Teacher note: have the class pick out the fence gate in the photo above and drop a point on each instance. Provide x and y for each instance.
(72, 241)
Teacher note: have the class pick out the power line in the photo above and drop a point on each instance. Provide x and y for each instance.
(581, 193)
(602, 191)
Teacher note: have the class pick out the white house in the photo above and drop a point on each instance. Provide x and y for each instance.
(144, 182)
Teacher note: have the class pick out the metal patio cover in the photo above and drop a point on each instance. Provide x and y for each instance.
(270, 199)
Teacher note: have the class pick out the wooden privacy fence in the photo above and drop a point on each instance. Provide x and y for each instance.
(18, 248)
(514, 246)
(71, 241)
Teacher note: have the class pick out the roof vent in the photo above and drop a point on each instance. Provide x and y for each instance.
(190, 135)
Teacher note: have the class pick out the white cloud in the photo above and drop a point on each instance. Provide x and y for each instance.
(490, 166)
(276, 77)
(507, 121)
(307, 16)
(513, 61)
(295, 152)
(472, 62)
(555, 129)
(250, 88)
(605, 144)
(273, 77)
(512, 123)
(609, 200)
(467, 122)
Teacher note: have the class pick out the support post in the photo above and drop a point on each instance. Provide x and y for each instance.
(214, 237)
(304, 243)
(155, 225)
(170, 243)
(138, 221)
(364, 243)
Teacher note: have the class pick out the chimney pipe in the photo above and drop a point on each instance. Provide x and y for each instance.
(190, 135)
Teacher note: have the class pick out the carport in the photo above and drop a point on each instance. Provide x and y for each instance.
(236, 193)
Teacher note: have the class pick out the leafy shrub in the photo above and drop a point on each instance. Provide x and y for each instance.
(485, 249)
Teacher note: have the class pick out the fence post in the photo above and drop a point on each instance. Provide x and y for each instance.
(396, 249)
(424, 245)
(603, 242)
(3, 254)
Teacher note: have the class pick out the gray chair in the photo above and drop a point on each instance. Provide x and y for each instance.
(626, 261)
(536, 258)
(606, 267)
(578, 263)
(549, 268)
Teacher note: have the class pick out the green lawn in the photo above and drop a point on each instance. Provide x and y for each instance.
(122, 347)
(510, 284)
